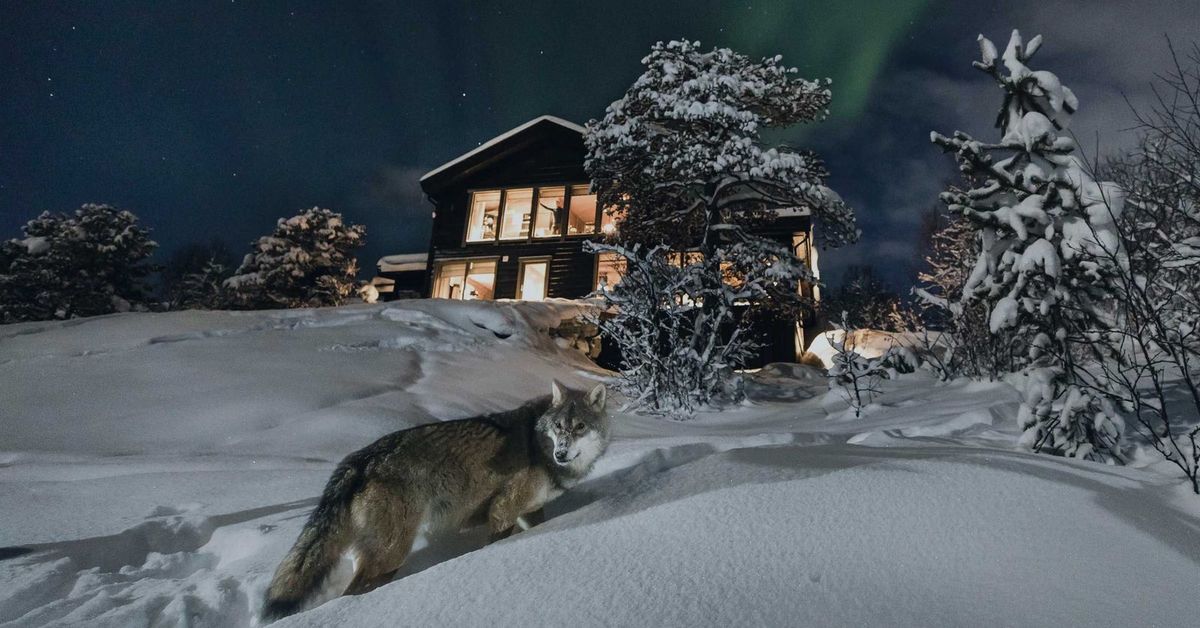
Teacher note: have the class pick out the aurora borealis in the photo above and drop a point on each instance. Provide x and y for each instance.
(213, 119)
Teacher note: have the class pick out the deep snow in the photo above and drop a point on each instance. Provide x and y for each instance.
(155, 467)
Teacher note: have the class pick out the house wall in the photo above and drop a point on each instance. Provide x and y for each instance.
(553, 157)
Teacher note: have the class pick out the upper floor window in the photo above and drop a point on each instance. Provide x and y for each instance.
(535, 212)
(485, 214)
(518, 214)
(582, 218)
(550, 205)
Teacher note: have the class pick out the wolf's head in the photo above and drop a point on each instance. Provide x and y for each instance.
(574, 430)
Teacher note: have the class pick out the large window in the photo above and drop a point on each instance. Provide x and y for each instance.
(518, 214)
(485, 212)
(550, 205)
(582, 217)
(531, 283)
(536, 213)
(466, 280)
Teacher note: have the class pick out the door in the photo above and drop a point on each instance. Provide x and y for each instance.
(531, 280)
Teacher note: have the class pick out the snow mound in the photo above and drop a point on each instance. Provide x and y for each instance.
(155, 468)
(831, 535)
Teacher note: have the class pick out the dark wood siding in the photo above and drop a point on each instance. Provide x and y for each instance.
(544, 155)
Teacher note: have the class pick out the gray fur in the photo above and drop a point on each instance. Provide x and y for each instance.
(494, 468)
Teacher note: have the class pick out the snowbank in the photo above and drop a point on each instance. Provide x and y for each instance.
(154, 468)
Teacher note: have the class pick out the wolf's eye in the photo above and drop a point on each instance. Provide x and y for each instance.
(579, 428)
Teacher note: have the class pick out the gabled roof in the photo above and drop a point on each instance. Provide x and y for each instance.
(499, 139)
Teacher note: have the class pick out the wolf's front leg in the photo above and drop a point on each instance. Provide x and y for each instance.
(514, 500)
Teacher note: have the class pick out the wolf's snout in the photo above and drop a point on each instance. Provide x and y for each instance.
(560, 456)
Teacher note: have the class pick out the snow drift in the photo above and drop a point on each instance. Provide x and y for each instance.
(154, 468)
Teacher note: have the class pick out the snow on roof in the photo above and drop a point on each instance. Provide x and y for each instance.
(794, 210)
(402, 262)
(500, 138)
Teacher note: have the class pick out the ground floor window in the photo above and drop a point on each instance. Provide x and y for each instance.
(532, 279)
(465, 280)
(610, 267)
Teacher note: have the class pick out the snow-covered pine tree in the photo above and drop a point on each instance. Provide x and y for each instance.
(679, 161)
(307, 262)
(92, 262)
(1038, 213)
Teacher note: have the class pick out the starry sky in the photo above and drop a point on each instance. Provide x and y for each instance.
(212, 119)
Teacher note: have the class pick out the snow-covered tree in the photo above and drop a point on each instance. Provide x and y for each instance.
(1152, 363)
(92, 262)
(307, 262)
(1039, 214)
(649, 317)
(679, 161)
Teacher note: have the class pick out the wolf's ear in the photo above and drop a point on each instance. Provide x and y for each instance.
(557, 392)
(597, 397)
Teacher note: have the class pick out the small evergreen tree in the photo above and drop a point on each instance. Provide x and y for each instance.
(1038, 213)
(203, 289)
(308, 261)
(194, 275)
(679, 161)
(855, 378)
(92, 262)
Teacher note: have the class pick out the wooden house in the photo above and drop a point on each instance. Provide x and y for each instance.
(510, 218)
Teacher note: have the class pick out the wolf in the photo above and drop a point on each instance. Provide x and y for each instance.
(498, 468)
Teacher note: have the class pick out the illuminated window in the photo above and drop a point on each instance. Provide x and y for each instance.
(485, 210)
(531, 285)
(608, 222)
(683, 259)
(610, 267)
(518, 211)
(467, 280)
(549, 212)
(582, 217)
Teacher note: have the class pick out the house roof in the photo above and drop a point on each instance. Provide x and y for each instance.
(403, 262)
(500, 139)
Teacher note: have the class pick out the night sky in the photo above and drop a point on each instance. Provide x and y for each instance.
(212, 119)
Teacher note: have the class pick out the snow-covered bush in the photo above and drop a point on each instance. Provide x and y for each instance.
(963, 346)
(307, 262)
(202, 289)
(650, 317)
(866, 302)
(679, 162)
(855, 378)
(92, 262)
(194, 276)
(1038, 213)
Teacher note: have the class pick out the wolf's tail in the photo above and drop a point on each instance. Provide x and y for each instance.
(319, 547)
